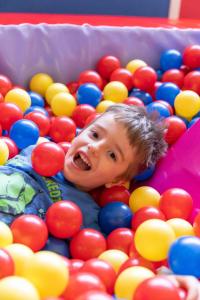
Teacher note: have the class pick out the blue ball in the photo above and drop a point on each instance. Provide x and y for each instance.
(89, 93)
(144, 175)
(114, 215)
(184, 256)
(58, 246)
(158, 107)
(145, 97)
(167, 92)
(24, 133)
(36, 108)
(193, 121)
(170, 59)
(36, 99)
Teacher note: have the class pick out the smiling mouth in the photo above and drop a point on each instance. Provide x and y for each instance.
(82, 162)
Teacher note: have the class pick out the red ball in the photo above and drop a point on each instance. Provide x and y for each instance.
(153, 90)
(120, 239)
(81, 113)
(94, 295)
(175, 76)
(191, 56)
(72, 86)
(90, 76)
(1, 98)
(49, 110)
(103, 270)
(10, 113)
(106, 65)
(176, 203)
(91, 118)
(114, 193)
(196, 225)
(144, 214)
(48, 159)
(133, 101)
(87, 243)
(64, 219)
(12, 147)
(75, 265)
(192, 81)
(133, 251)
(144, 78)
(175, 128)
(167, 105)
(81, 283)
(62, 129)
(30, 230)
(65, 146)
(156, 288)
(137, 261)
(41, 120)
(7, 266)
(123, 75)
(5, 85)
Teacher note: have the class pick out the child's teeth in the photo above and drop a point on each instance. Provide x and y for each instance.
(84, 158)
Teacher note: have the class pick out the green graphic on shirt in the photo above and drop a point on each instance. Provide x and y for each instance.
(15, 193)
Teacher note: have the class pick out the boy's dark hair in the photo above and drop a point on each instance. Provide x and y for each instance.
(145, 132)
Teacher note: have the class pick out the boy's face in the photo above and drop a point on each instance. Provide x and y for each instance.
(99, 155)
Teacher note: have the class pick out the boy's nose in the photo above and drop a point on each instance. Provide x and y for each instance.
(94, 149)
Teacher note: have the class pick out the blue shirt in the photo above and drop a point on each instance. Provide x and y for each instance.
(23, 191)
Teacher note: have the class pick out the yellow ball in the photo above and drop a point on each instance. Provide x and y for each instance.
(20, 255)
(134, 64)
(17, 288)
(103, 105)
(54, 89)
(144, 196)
(19, 97)
(115, 91)
(114, 257)
(40, 82)
(153, 239)
(4, 152)
(187, 104)
(181, 227)
(128, 281)
(6, 237)
(47, 271)
(63, 104)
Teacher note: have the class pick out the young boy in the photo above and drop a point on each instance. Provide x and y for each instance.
(111, 150)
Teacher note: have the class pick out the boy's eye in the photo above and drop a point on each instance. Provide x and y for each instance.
(95, 134)
(112, 155)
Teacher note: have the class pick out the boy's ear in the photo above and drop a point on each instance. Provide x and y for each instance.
(119, 182)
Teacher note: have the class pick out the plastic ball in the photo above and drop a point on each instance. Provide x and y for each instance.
(146, 213)
(81, 113)
(42, 121)
(174, 76)
(181, 227)
(20, 254)
(48, 265)
(91, 118)
(57, 245)
(193, 121)
(37, 109)
(176, 203)
(72, 87)
(53, 90)
(6, 263)
(63, 104)
(145, 97)
(47, 159)
(80, 283)
(4, 152)
(135, 64)
(62, 129)
(175, 128)
(144, 196)
(153, 239)
(133, 101)
(75, 265)
(10, 113)
(114, 215)
(144, 78)
(114, 257)
(191, 56)
(113, 194)
(64, 219)
(19, 97)
(103, 270)
(90, 76)
(196, 225)
(161, 109)
(170, 59)
(103, 105)
(192, 81)
(40, 82)
(65, 146)
(36, 99)
(167, 92)
(146, 174)
(106, 65)
(6, 237)
(5, 85)
(94, 295)
(17, 288)
(187, 104)
(87, 243)
(120, 239)
(137, 261)
(26, 228)
(89, 93)
(157, 288)
(184, 256)
(115, 91)
(123, 75)
(129, 280)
